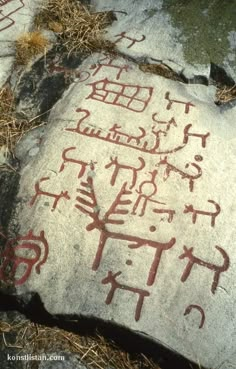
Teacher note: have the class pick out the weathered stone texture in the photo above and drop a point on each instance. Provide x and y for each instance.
(188, 36)
(16, 17)
(128, 209)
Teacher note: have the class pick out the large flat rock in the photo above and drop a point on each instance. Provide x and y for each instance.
(186, 35)
(127, 211)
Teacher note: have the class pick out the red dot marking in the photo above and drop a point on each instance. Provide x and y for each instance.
(198, 157)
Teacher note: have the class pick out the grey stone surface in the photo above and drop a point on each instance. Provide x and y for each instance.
(29, 144)
(3, 156)
(43, 82)
(16, 17)
(188, 35)
(127, 211)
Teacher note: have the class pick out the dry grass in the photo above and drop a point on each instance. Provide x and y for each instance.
(95, 352)
(11, 127)
(7, 122)
(225, 94)
(79, 29)
(30, 44)
(161, 70)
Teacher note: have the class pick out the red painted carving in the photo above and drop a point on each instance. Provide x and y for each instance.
(195, 213)
(147, 189)
(116, 208)
(116, 135)
(81, 76)
(6, 11)
(159, 246)
(200, 309)
(131, 97)
(89, 207)
(39, 192)
(107, 62)
(70, 160)
(158, 132)
(78, 128)
(168, 124)
(10, 261)
(187, 135)
(171, 168)
(111, 278)
(171, 101)
(188, 253)
(170, 213)
(123, 36)
(93, 211)
(157, 135)
(118, 166)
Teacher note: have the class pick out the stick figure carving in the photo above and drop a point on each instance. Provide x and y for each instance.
(187, 104)
(89, 206)
(217, 269)
(36, 245)
(71, 160)
(187, 134)
(172, 169)
(147, 189)
(123, 36)
(39, 192)
(111, 278)
(195, 212)
(118, 166)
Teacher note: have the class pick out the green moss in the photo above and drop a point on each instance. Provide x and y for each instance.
(206, 25)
